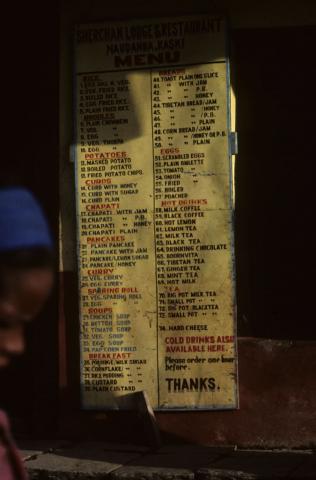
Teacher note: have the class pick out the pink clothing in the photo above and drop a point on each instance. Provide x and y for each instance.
(11, 465)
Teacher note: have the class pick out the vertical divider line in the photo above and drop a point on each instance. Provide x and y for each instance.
(154, 224)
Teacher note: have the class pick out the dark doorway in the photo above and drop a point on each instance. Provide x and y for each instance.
(274, 80)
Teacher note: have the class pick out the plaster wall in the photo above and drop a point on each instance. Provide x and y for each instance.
(272, 60)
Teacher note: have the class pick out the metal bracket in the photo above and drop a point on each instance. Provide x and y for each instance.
(233, 142)
(72, 153)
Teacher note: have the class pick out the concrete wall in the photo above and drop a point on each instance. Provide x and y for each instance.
(272, 60)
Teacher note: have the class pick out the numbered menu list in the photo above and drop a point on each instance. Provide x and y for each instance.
(115, 220)
(155, 236)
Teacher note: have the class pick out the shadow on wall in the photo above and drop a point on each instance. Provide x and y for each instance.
(273, 79)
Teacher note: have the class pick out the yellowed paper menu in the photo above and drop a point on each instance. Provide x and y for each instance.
(154, 214)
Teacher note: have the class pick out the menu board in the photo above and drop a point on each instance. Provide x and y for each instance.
(154, 213)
